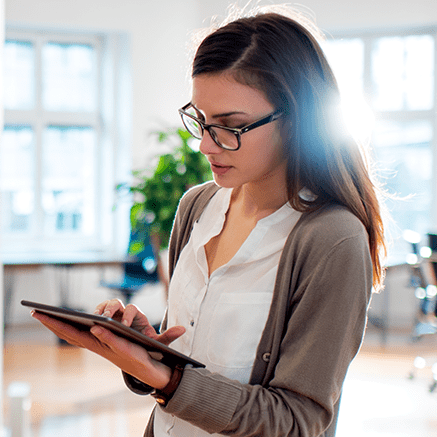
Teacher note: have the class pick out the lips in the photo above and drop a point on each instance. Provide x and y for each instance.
(219, 169)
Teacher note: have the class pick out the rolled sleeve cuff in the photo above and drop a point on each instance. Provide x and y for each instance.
(201, 395)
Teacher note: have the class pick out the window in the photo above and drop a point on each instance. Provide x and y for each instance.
(392, 77)
(55, 195)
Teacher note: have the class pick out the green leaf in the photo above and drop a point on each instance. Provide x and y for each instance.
(158, 192)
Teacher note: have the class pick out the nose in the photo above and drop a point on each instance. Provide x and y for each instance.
(208, 146)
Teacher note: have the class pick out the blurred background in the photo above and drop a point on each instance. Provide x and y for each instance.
(92, 166)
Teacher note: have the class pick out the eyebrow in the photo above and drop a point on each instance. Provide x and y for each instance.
(220, 115)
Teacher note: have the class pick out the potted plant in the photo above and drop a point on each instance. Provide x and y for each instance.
(157, 194)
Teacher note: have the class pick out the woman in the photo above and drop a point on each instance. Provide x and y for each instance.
(273, 264)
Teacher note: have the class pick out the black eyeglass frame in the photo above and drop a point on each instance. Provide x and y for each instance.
(237, 131)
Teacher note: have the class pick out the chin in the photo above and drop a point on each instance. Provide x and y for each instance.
(225, 182)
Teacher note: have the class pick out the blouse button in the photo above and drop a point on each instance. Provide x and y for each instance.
(192, 323)
(266, 357)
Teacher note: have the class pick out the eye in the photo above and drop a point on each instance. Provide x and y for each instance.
(199, 116)
(233, 124)
(195, 113)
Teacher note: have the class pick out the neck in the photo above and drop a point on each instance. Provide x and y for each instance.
(261, 199)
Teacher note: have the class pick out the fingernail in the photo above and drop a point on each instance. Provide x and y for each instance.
(96, 312)
(106, 313)
(96, 330)
(32, 313)
(125, 322)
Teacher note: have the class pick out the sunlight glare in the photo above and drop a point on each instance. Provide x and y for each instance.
(359, 118)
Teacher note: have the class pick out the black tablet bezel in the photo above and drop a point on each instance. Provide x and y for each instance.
(85, 321)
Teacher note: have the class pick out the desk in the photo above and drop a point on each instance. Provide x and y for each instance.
(65, 262)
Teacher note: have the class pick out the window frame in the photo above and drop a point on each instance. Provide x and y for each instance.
(112, 140)
(405, 115)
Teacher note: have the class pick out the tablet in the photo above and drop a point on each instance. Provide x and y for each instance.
(85, 321)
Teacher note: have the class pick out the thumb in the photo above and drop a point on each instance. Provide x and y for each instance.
(171, 335)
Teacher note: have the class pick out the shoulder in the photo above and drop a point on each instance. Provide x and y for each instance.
(328, 248)
(199, 195)
(329, 228)
(333, 222)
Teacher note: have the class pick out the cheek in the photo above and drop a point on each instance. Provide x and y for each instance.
(262, 149)
(272, 147)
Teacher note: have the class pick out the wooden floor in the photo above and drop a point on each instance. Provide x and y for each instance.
(75, 393)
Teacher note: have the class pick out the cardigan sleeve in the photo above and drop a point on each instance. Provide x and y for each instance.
(322, 335)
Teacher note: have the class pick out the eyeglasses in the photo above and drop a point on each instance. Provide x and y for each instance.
(227, 138)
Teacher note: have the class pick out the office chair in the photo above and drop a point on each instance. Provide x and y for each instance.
(141, 267)
(423, 280)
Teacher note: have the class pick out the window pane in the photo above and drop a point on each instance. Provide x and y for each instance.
(419, 75)
(17, 178)
(69, 77)
(404, 156)
(346, 57)
(68, 187)
(19, 75)
(402, 70)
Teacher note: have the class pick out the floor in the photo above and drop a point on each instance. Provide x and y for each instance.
(380, 397)
(75, 393)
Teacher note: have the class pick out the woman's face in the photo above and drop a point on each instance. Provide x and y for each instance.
(219, 99)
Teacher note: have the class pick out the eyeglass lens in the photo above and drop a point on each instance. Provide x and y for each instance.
(222, 137)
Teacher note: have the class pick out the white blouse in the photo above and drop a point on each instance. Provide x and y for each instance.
(224, 314)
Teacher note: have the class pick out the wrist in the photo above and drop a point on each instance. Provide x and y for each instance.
(164, 394)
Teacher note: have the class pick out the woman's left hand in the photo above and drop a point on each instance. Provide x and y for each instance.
(129, 357)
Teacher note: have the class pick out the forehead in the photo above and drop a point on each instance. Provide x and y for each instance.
(221, 93)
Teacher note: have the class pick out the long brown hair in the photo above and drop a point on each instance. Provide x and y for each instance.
(279, 56)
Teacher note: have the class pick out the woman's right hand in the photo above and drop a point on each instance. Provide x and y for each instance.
(132, 316)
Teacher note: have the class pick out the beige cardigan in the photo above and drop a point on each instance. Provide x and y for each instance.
(314, 329)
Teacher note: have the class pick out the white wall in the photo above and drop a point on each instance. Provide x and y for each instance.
(346, 15)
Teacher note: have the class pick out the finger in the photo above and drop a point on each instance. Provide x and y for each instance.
(131, 358)
(104, 335)
(62, 330)
(117, 344)
(100, 308)
(171, 335)
(132, 312)
(137, 320)
(110, 308)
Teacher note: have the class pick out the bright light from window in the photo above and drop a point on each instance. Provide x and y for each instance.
(403, 72)
(346, 57)
(359, 118)
(396, 76)
(19, 75)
